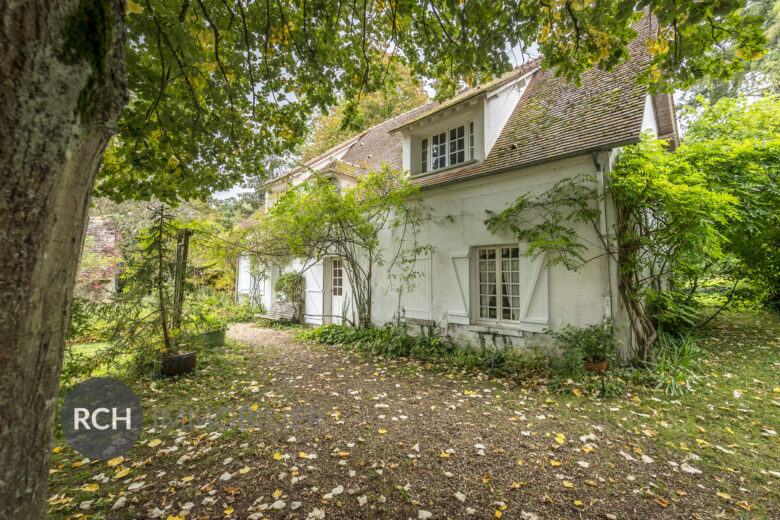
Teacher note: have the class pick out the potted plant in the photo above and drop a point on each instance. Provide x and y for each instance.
(598, 345)
(215, 326)
(593, 346)
(179, 361)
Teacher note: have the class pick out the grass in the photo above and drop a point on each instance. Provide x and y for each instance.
(722, 428)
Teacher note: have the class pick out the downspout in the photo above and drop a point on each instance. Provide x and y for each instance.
(608, 312)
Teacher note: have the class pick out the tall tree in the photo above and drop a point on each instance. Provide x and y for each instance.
(211, 85)
(349, 118)
(761, 76)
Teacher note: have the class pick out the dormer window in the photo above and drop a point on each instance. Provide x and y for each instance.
(448, 148)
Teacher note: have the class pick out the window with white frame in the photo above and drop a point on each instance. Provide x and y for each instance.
(498, 279)
(448, 148)
(337, 279)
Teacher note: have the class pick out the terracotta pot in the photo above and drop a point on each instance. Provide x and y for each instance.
(596, 366)
(178, 364)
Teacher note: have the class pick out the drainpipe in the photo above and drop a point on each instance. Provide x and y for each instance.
(608, 313)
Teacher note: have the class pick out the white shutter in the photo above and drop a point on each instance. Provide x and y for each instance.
(458, 309)
(313, 278)
(416, 303)
(243, 283)
(534, 289)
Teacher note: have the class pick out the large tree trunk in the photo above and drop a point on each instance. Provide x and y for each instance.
(62, 88)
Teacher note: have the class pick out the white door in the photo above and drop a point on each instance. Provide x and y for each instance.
(337, 290)
(314, 294)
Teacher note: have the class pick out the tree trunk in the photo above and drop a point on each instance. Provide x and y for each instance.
(62, 88)
(182, 249)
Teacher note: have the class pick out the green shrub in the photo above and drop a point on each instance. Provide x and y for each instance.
(290, 287)
(673, 311)
(592, 343)
(394, 341)
(676, 366)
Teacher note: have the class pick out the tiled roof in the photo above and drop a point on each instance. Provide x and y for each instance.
(371, 149)
(556, 119)
(470, 93)
(553, 119)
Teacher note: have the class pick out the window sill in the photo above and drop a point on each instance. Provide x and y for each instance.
(507, 329)
(448, 168)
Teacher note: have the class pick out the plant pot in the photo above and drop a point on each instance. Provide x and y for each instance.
(213, 338)
(178, 364)
(596, 366)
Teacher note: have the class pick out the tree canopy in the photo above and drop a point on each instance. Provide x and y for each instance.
(216, 85)
(399, 94)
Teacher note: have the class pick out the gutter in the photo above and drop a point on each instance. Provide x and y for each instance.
(603, 216)
(519, 166)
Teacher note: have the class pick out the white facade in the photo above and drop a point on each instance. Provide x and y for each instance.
(452, 293)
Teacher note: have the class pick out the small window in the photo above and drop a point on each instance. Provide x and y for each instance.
(424, 156)
(447, 148)
(337, 280)
(457, 145)
(498, 274)
(439, 151)
(471, 140)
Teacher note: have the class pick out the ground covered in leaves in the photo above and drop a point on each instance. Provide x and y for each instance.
(400, 439)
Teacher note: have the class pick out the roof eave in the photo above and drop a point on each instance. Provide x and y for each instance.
(516, 166)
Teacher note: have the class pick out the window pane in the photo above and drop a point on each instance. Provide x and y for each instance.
(424, 155)
(487, 283)
(457, 145)
(471, 140)
(510, 283)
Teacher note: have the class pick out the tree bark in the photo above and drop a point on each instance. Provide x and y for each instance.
(62, 88)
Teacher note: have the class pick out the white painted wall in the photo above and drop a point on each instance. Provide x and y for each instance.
(649, 121)
(558, 296)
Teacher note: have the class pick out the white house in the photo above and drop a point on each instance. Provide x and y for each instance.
(480, 151)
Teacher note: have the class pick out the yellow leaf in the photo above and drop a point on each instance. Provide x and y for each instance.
(567, 484)
(90, 487)
(744, 505)
(277, 456)
(132, 7)
(154, 442)
(277, 493)
(228, 511)
(188, 479)
(122, 473)
(444, 455)
(586, 449)
(57, 449)
(498, 514)
(560, 438)
(115, 462)
(576, 392)
(302, 455)
(724, 496)
(519, 462)
(555, 463)
(662, 502)
(244, 470)
(175, 517)
(578, 503)
(254, 407)
(343, 453)
(382, 432)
